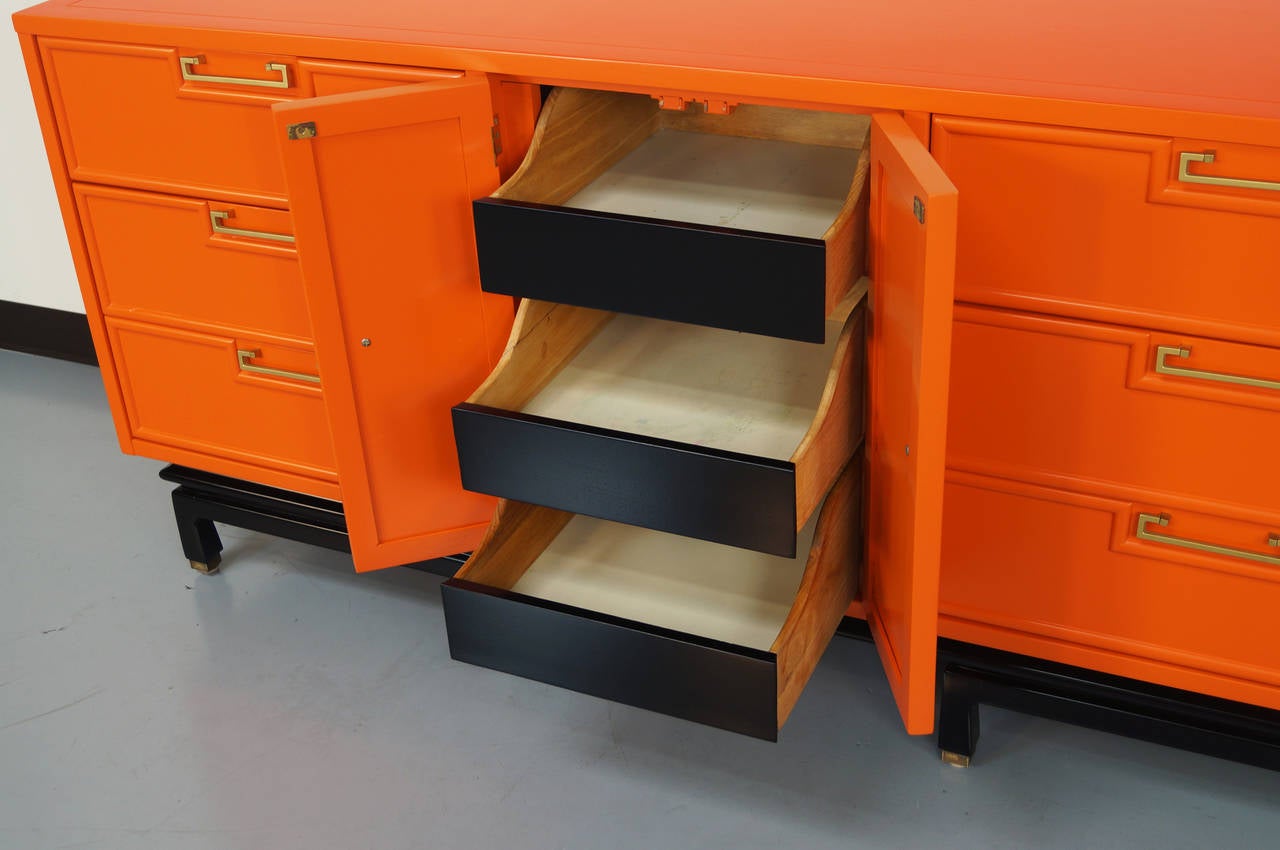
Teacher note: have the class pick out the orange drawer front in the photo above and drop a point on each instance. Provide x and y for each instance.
(1073, 569)
(155, 118)
(1101, 226)
(200, 393)
(1069, 403)
(159, 257)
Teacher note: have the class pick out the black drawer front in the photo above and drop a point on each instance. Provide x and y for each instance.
(688, 490)
(681, 675)
(701, 275)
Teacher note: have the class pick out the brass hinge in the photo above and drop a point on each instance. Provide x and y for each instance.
(917, 207)
(305, 130)
(497, 140)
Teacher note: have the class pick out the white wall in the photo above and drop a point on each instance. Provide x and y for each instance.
(35, 264)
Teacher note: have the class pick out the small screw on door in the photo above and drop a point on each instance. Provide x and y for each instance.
(908, 451)
(366, 342)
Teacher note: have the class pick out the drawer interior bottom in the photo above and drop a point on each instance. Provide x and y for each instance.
(764, 185)
(692, 586)
(736, 392)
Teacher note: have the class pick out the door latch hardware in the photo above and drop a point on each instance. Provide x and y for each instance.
(497, 139)
(305, 130)
(917, 207)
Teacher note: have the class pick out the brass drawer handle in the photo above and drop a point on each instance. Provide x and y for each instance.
(1185, 158)
(245, 355)
(188, 63)
(1145, 520)
(217, 217)
(1164, 352)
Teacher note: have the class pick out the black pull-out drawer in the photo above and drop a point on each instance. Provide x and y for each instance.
(728, 437)
(753, 221)
(687, 628)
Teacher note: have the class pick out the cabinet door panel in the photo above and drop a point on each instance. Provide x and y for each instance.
(913, 240)
(381, 184)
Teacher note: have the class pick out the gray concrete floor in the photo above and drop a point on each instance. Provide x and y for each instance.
(289, 703)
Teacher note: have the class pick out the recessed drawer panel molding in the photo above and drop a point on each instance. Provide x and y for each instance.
(1070, 403)
(186, 119)
(1150, 579)
(753, 221)
(241, 398)
(221, 265)
(1180, 234)
(683, 627)
(727, 437)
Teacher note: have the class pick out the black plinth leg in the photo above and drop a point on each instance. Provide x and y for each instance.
(203, 498)
(200, 541)
(974, 675)
(958, 721)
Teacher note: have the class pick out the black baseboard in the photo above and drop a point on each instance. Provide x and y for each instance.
(46, 331)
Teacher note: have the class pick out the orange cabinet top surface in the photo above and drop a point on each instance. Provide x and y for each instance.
(1194, 55)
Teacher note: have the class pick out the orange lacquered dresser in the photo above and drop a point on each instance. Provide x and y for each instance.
(1072, 316)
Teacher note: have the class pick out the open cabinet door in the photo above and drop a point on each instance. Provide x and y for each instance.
(913, 242)
(381, 184)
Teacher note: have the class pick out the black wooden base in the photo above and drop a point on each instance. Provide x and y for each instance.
(203, 498)
(969, 676)
(972, 676)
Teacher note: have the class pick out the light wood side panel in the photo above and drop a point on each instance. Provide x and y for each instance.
(580, 134)
(839, 423)
(516, 537)
(805, 126)
(829, 585)
(543, 339)
(846, 238)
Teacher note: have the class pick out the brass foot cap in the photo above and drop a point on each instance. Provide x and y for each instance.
(209, 568)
